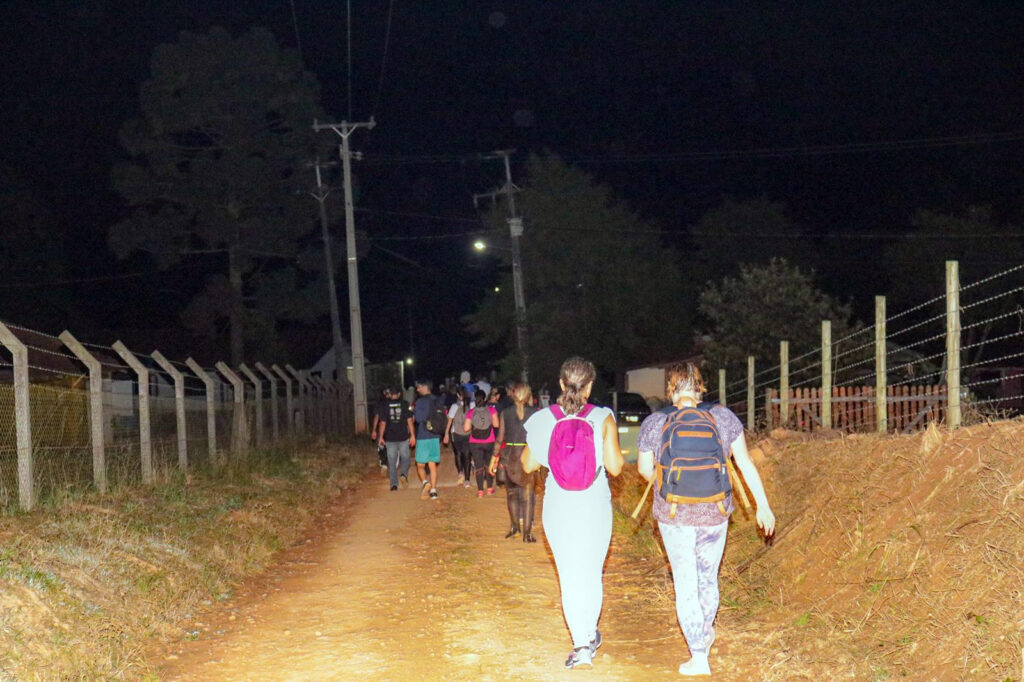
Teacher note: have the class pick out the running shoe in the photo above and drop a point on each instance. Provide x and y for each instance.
(404, 480)
(394, 488)
(425, 490)
(581, 655)
(490, 491)
(460, 480)
(595, 643)
(433, 494)
(479, 493)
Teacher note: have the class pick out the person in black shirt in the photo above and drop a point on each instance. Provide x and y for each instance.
(396, 433)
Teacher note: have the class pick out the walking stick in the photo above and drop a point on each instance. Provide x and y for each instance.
(738, 489)
(644, 498)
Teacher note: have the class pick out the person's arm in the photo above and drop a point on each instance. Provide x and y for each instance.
(379, 431)
(448, 429)
(529, 462)
(501, 436)
(645, 464)
(612, 452)
(494, 417)
(765, 517)
(467, 425)
(412, 431)
(373, 427)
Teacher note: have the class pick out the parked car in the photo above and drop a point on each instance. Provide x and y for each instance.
(631, 408)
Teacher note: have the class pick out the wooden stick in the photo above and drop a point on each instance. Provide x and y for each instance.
(643, 499)
(738, 490)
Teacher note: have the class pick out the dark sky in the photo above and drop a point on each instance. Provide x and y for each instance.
(648, 96)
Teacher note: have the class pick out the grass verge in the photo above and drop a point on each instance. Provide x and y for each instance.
(86, 583)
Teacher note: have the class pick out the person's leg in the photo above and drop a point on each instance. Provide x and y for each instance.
(432, 466)
(710, 545)
(393, 455)
(403, 462)
(466, 460)
(680, 546)
(513, 499)
(479, 454)
(579, 535)
(529, 503)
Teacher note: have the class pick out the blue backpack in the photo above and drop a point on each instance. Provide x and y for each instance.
(691, 465)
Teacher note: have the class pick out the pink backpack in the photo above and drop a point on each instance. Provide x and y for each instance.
(571, 453)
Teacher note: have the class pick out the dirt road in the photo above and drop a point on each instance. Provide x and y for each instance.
(393, 587)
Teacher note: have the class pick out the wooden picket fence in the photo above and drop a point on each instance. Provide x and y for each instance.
(909, 408)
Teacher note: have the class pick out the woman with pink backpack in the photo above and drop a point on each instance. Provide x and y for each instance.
(579, 444)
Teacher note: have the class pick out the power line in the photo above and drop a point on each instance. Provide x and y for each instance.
(384, 58)
(728, 154)
(298, 39)
(348, 31)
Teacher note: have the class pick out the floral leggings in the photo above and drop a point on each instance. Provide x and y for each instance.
(695, 553)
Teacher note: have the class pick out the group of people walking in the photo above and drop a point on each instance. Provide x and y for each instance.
(684, 450)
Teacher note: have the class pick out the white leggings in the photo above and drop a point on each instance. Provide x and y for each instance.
(695, 553)
(579, 530)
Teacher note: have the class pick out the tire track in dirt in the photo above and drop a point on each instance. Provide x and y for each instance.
(410, 589)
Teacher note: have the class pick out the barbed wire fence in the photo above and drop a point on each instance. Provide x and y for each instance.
(954, 357)
(81, 416)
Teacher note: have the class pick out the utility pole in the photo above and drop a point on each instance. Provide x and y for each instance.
(344, 129)
(320, 194)
(515, 226)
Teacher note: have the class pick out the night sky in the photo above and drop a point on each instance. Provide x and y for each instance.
(854, 115)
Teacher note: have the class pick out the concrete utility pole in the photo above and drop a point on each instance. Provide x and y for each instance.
(320, 194)
(344, 129)
(515, 226)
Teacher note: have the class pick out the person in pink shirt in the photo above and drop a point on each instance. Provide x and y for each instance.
(481, 423)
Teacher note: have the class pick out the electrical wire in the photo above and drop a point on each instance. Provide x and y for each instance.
(383, 59)
(298, 39)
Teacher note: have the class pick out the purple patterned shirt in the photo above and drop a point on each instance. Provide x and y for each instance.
(704, 513)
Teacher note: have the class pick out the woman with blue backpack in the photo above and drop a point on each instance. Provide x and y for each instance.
(579, 444)
(683, 450)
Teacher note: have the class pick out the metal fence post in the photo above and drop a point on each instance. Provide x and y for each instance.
(145, 434)
(99, 463)
(721, 387)
(302, 395)
(239, 432)
(179, 406)
(826, 374)
(953, 343)
(22, 417)
(274, 425)
(211, 408)
(881, 373)
(288, 399)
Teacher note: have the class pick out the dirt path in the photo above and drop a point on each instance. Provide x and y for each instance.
(413, 589)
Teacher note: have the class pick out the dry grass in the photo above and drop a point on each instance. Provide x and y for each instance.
(895, 557)
(86, 583)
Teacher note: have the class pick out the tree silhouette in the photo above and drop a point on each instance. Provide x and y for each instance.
(216, 170)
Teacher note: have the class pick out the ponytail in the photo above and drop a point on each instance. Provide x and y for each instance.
(574, 375)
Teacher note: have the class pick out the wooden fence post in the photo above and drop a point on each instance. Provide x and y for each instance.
(211, 408)
(239, 430)
(750, 393)
(826, 374)
(721, 387)
(288, 399)
(881, 372)
(274, 425)
(22, 417)
(99, 462)
(179, 406)
(784, 384)
(258, 385)
(145, 433)
(953, 343)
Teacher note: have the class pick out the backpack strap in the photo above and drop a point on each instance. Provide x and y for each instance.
(557, 411)
(582, 414)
